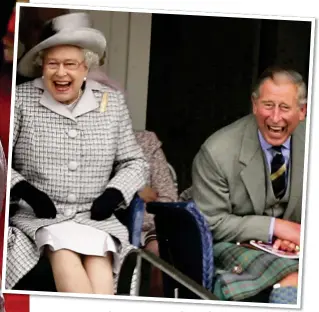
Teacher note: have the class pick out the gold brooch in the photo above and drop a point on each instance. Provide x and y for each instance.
(104, 102)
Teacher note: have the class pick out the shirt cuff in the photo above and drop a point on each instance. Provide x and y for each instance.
(271, 230)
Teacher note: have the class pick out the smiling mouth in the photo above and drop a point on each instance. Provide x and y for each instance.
(276, 129)
(62, 86)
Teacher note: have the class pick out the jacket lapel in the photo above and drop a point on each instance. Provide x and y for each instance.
(88, 101)
(49, 102)
(253, 173)
(297, 163)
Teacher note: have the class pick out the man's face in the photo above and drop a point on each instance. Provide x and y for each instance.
(277, 110)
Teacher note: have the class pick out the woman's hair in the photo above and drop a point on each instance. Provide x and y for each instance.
(91, 59)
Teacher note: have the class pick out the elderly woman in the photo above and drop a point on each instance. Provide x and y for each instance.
(69, 131)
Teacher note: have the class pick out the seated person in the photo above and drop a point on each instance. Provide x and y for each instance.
(160, 187)
(248, 176)
(65, 143)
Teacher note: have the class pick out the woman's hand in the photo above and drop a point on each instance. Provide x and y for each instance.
(148, 194)
(103, 207)
(39, 201)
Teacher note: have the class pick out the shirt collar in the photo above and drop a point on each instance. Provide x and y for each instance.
(266, 146)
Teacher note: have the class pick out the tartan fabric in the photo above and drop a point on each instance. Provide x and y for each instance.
(45, 142)
(243, 272)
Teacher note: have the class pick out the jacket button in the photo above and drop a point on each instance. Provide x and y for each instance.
(72, 133)
(71, 198)
(73, 165)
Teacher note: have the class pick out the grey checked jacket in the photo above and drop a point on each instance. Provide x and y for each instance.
(70, 156)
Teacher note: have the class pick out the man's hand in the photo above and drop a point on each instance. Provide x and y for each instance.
(285, 245)
(287, 231)
(147, 194)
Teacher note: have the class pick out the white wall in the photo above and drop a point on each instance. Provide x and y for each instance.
(127, 61)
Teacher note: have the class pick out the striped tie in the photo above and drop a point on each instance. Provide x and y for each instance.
(278, 173)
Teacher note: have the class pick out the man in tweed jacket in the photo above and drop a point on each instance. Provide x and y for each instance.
(231, 172)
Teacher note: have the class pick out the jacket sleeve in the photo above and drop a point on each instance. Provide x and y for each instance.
(131, 170)
(211, 195)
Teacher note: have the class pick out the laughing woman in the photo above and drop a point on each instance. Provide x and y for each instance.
(68, 133)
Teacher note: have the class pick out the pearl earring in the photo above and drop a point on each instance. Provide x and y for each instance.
(42, 77)
(84, 79)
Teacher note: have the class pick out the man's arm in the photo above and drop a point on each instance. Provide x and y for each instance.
(211, 195)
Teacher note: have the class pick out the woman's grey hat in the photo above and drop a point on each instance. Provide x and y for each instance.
(68, 29)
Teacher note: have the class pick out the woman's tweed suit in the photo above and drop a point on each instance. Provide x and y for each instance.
(70, 156)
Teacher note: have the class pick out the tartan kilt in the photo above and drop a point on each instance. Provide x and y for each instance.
(242, 272)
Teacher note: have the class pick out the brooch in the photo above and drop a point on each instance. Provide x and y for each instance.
(104, 102)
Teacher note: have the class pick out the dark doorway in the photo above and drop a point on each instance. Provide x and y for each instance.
(201, 73)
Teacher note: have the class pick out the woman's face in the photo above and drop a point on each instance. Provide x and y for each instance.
(64, 70)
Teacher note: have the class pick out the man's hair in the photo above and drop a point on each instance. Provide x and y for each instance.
(280, 73)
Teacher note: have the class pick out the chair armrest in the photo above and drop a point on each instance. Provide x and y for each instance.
(132, 217)
(136, 219)
(149, 258)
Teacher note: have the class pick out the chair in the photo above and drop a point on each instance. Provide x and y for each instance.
(186, 255)
(186, 245)
(40, 278)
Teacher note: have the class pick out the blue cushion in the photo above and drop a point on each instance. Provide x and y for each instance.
(136, 219)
